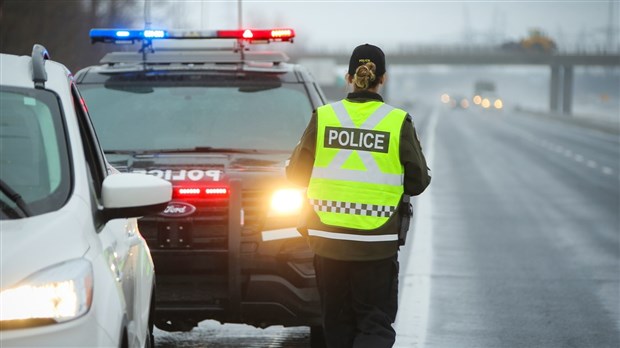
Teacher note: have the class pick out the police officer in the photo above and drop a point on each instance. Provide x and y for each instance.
(360, 159)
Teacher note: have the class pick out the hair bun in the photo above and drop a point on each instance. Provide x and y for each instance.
(365, 75)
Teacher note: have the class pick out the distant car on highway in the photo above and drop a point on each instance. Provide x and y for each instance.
(489, 101)
(485, 96)
(75, 270)
(455, 101)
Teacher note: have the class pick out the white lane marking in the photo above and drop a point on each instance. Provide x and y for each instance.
(413, 312)
(592, 164)
(607, 171)
(567, 153)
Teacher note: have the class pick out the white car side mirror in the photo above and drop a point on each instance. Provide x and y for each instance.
(131, 195)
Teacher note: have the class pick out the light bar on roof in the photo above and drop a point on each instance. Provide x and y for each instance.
(124, 35)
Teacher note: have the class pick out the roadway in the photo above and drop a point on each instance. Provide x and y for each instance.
(518, 239)
(515, 244)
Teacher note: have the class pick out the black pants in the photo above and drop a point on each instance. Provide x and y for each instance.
(359, 300)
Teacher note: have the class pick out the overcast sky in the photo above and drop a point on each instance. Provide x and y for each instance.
(331, 25)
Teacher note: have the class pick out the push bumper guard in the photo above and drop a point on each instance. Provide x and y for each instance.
(271, 285)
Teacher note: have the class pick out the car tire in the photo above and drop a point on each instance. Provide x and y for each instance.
(150, 338)
(176, 324)
(317, 339)
(149, 342)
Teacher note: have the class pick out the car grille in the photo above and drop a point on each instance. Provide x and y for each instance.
(207, 228)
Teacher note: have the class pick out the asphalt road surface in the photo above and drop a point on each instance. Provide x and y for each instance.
(515, 244)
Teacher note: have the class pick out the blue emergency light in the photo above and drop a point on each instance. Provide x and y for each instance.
(116, 35)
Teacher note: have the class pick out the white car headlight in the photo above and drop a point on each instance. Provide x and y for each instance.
(286, 202)
(58, 293)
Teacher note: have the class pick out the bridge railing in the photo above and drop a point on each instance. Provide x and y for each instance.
(473, 49)
(495, 49)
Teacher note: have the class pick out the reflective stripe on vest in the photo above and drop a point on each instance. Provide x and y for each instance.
(357, 178)
(352, 208)
(354, 237)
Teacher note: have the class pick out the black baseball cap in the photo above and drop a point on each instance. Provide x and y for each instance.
(365, 53)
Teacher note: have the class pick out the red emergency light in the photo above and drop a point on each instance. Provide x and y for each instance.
(284, 34)
(185, 192)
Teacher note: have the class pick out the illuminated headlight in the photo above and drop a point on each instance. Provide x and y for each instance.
(477, 99)
(498, 104)
(445, 98)
(286, 202)
(486, 103)
(55, 294)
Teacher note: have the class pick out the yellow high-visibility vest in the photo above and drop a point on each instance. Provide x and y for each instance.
(357, 178)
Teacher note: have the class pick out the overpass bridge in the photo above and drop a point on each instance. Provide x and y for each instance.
(561, 64)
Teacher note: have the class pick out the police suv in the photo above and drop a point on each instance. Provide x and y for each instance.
(219, 124)
(75, 271)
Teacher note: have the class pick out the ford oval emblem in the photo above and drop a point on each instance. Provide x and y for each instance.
(178, 209)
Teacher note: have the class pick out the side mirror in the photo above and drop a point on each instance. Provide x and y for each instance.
(131, 195)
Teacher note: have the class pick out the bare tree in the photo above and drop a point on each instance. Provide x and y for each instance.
(62, 26)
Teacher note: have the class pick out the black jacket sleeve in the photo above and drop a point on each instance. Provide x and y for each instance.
(412, 158)
(299, 168)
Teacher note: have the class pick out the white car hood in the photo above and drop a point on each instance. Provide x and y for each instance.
(32, 244)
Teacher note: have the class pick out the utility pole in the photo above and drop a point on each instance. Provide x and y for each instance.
(239, 14)
(493, 31)
(611, 27)
(467, 32)
(147, 14)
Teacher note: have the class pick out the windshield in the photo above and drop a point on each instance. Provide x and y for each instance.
(147, 115)
(34, 161)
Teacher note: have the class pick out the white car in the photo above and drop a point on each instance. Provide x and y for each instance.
(75, 271)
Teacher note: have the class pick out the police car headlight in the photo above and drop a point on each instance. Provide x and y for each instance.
(286, 202)
(55, 294)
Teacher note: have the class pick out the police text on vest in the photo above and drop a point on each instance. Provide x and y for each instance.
(356, 139)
